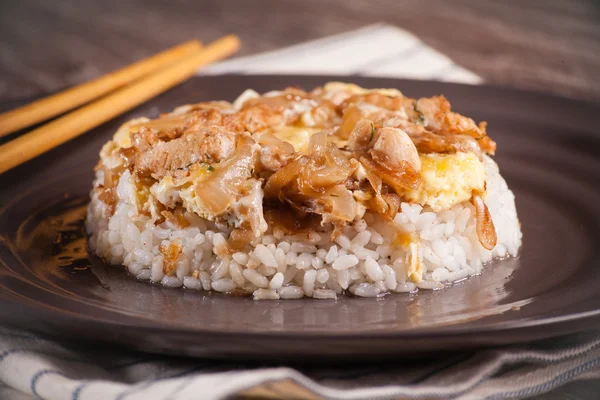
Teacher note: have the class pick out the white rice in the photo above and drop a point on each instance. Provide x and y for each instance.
(363, 260)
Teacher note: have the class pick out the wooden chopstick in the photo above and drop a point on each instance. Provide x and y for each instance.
(66, 100)
(89, 116)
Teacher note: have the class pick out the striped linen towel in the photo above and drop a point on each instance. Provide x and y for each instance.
(33, 366)
(376, 50)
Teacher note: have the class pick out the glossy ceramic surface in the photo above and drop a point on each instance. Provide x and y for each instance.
(548, 151)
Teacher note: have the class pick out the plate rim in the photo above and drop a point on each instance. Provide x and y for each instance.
(431, 331)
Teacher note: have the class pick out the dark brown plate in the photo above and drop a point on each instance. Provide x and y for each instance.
(548, 151)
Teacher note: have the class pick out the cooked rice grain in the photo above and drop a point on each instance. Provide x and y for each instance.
(364, 259)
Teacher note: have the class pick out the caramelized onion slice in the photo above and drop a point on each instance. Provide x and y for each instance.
(454, 123)
(393, 202)
(428, 142)
(486, 232)
(268, 139)
(274, 153)
(393, 159)
(401, 178)
(488, 145)
(317, 145)
(282, 178)
(336, 203)
(316, 179)
(372, 175)
(351, 116)
(315, 182)
(220, 189)
(392, 103)
(164, 122)
(362, 136)
(326, 166)
(378, 204)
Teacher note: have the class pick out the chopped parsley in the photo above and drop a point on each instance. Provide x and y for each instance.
(334, 195)
(372, 131)
(420, 118)
(186, 167)
(210, 168)
(207, 156)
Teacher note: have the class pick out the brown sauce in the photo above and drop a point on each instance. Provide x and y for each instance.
(285, 218)
(58, 233)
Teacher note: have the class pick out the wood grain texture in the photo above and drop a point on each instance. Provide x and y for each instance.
(548, 45)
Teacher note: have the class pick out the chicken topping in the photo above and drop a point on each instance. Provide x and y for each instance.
(330, 154)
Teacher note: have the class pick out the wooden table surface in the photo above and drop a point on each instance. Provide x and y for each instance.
(547, 45)
(551, 46)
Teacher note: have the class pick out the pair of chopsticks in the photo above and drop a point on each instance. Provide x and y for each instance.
(130, 87)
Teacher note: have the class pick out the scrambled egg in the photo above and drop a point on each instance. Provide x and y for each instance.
(169, 191)
(447, 179)
(296, 136)
(122, 136)
(350, 88)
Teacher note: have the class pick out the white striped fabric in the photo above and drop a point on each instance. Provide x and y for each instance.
(376, 50)
(35, 367)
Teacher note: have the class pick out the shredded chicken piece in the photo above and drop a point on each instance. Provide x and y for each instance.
(107, 191)
(207, 146)
(329, 154)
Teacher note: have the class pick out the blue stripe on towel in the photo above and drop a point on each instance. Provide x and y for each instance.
(36, 352)
(78, 389)
(36, 378)
(560, 379)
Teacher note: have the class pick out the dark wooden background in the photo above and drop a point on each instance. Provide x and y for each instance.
(548, 45)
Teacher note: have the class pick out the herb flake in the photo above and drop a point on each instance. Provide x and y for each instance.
(420, 118)
(186, 167)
